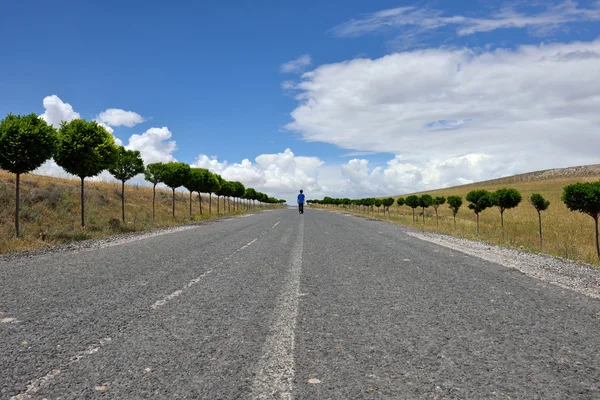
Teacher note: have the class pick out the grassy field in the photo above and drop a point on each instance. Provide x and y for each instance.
(50, 210)
(566, 234)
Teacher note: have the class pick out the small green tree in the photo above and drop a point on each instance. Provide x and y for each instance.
(387, 203)
(504, 199)
(194, 183)
(175, 175)
(154, 174)
(85, 149)
(129, 163)
(377, 203)
(26, 142)
(437, 202)
(250, 195)
(238, 191)
(585, 198)
(479, 200)
(540, 204)
(400, 201)
(455, 202)
(425, 201)
(413, 202)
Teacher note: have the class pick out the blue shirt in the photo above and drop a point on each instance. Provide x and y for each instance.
(301, 198)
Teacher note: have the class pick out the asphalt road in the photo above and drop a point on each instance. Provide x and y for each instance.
(279, 305)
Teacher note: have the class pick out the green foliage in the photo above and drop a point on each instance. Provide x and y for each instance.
(438, 201)
(583, 197)
(400, 201)
(377, 203)
(539, 202)
(506, 198)
(425, 201)
(175, 174)
(455, 202)
(129, 163)
(388, 202)
(250, 194)
(154, 173)
(412, 201)
(211, 183)
(239, 190)
(479, 200)
(85, 148)
(26, 141)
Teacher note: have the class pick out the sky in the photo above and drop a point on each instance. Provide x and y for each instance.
(345, 98)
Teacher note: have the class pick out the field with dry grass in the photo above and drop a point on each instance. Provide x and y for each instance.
(50, 210)
(566, 234)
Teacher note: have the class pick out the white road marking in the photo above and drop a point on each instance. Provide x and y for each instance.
(39, 383)
(164, 300)
(275, 373)
(9, 320)
(276, 224)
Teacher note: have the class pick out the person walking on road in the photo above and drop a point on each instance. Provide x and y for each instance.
(301, 202)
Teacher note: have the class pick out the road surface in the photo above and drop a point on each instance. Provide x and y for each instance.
(278, 305)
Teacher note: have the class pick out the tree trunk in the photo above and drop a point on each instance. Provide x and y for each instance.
(437, 221)
(477, 224)
(597, 244)
(200, 200)
(541, 237)
(209, 203)
(454, 221)
(123, 200)
(17, 204)
(173, 201)
(190, 204)
(153, 200)
(82, 206)
(218, 204)
(423, 215)
(413, 215)
(502, 222)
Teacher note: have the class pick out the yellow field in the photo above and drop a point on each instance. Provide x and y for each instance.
(50, 210)
(566, 234)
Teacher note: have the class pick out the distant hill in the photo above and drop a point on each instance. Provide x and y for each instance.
(570, 172)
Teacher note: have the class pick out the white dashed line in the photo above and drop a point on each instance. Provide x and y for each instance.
(275, 374)
(164, 300)
(39, 383)
(275, 225)
(9, 320)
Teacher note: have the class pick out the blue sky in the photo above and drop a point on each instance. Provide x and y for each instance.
(213, 73)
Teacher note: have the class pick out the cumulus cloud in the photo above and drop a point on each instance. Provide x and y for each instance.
(154, 145)
(56, 111)
(118, 117)
(457, 115)
(414, 21)
(280, 175)
(296, 66)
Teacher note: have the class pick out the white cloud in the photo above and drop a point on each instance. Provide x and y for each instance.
(413, 21)
(457, 115)
(154, 145)
(280, 175)
(56, 111)
(118, 117)
(296, 66)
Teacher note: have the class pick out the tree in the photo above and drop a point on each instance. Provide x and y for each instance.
(224, 190)
(413, 202)
(250, 194)
(219, 191)
(238, 190)
(455, 202)
(175, 175)
(504, 199)
(479, 200)
(377, 204)
(26, 142)
(129, 163)
(438, 201)
(540, 204)
(387, 203)
(400, 201)
(585, 198)
(212, 185)
(154, 174)
(85, 149)
(195, 183)
(425, 201)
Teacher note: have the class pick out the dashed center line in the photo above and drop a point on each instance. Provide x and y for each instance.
(277, 223)
(39, 383)
(164, 300)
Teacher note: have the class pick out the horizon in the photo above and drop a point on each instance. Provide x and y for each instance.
(346, 102)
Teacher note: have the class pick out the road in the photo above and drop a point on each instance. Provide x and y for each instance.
(278, 305)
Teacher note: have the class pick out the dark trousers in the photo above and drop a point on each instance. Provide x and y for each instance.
(301, 208)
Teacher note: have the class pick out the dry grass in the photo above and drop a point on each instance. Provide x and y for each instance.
(566, 234)
(50, 210)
